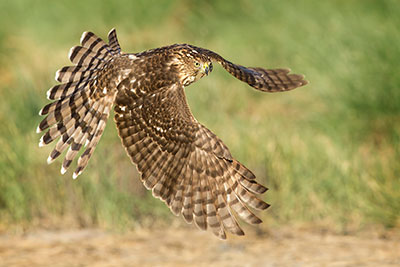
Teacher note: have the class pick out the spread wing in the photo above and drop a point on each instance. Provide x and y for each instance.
(184, 163)
(266, 80)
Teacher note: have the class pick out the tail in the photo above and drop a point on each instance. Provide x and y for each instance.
(83, 101)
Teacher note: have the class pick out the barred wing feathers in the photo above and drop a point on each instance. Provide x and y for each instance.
(266, 80)
(183, 163)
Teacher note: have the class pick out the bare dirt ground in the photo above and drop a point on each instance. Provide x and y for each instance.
(190, 247)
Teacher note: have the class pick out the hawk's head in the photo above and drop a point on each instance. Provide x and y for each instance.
(191, 64)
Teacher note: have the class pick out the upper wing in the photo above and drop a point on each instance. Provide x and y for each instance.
(184, 163)
(267, 80)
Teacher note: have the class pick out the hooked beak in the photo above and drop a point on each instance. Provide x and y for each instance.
(206, 68)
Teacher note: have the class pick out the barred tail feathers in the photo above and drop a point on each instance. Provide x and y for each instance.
(81, 108)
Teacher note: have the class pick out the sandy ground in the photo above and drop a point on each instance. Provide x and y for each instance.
(191, 247)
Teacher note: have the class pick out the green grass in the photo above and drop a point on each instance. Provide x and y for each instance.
(329, 152)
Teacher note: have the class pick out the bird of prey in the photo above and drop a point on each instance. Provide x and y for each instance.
(180, 160)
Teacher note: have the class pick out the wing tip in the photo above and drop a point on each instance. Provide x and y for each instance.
(300, 78)
(63, 170)
(41, 142)
(221, 235)
(112, 31)
(256, 220)
(83, 36)
(71, 55)
(240, 233)
(48, 95)
(57, 76)
(49, 160)
(304, 82)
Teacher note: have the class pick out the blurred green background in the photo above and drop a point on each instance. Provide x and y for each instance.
(329, 152)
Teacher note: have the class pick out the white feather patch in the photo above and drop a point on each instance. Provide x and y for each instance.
(70, 52)
(57, 75)
(75, 175)
(41, 143)
(48, 94)
(83, 37)
(50, 160)
(63, 170)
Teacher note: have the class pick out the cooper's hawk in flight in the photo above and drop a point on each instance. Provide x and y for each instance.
(179, 159)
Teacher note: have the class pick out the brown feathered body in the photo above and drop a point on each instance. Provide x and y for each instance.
(180, 160)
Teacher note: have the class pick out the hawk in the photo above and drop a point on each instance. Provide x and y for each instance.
(180, 160)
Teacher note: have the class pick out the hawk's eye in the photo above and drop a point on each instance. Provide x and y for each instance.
(196, 64)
